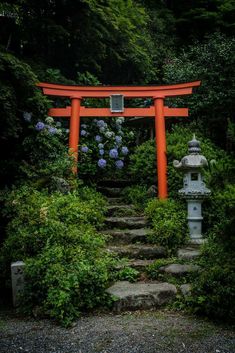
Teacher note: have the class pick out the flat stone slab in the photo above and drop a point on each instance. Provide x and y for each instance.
(125, 222)
(137, 296)
(127, 236)
(188, 253)
(114, 200)
(140, 265)
(178, 269)
(125, 210)
(110, 191)
(140, 251)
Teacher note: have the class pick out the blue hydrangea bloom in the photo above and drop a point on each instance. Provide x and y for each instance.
(102, 163)
(27, 116)
(101, 152)
(125, 150)
(39, 126)
(84, 149)
(98, 138)
(100, 123)
(83, 132)
(52, 130)
(118, 139)
(100, 146)
(113, 153)
(119, 164)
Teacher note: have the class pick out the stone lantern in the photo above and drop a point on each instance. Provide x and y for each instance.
(194, 190)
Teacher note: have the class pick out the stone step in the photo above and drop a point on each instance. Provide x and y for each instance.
(139, 251)
(121, 210)
(125, 222)
(139, 264)
(178, 270)
(112, 192)
(127, 236)
(188, 253)
(141, 295)
(115, 200)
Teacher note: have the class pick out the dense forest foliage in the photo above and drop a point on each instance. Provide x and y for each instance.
(110, 42)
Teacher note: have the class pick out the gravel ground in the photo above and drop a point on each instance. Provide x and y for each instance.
(141, 332)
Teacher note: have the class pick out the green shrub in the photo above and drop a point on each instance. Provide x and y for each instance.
(169, 223)
(213, 292)
(55, 235)
(69, 275)
(136, 195)
(127, 274)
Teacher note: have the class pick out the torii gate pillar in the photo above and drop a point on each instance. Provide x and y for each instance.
(160, 133)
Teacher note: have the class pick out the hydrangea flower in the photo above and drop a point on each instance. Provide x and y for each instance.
(27, 116)
(83, 126)
(49, 120)
(52, 130)
(109, 134)
(118, 139)
(84, 149)
(131, 134)
(39, 126)
(113, 153)
(83, 133)
(120, 120)
(102, 129)
(58, 124)
(67, 131)
(102, 163)
(100, 145)
(119, 164)
(98, 138)
(100, 123)
(101, 152)
(125, 150)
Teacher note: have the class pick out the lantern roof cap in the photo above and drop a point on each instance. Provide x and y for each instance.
(194, 160)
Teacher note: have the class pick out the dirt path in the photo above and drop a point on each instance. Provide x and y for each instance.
(140, 332)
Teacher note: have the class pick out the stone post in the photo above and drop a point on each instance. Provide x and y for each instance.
(17, 280)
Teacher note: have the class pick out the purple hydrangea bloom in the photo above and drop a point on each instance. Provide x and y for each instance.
(101, 152)
(84, 149)
(118, 139)
(119, 164)
(100, 146)
(102, 163)
(39, 126)
(98, 138)
(52, 130)
(113, 153)
(27, 116)
(125, 150)
(83, 132)
(100, 123)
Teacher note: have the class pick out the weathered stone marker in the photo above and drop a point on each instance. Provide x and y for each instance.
(194, 189)
(17, 280)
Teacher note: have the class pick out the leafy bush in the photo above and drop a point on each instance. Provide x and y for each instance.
(213, 291)
(169, 223)
(69, 275)
(136, 195)
(127, 274)
(56, 232)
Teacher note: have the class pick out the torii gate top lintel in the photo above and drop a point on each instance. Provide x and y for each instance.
(158, 111)
(127, 91)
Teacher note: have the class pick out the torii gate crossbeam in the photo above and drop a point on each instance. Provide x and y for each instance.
(158, 111)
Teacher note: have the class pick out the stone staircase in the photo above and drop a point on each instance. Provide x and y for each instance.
(127, 231)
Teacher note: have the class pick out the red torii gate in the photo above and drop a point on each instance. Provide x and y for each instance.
(158, 111)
